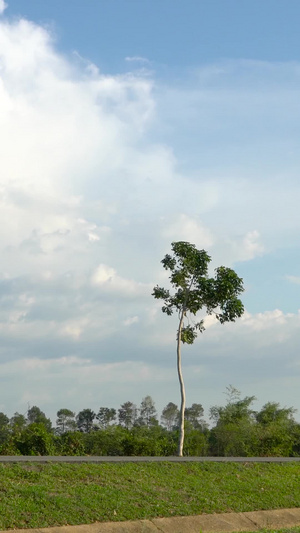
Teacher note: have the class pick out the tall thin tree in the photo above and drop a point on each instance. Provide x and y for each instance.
(195, 291)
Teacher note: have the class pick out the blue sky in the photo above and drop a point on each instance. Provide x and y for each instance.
(126, 125)
(171, 33)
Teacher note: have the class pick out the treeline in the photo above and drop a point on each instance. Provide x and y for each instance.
(237, 430)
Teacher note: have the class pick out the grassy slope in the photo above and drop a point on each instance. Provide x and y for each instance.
(33, 495)
(289, 530)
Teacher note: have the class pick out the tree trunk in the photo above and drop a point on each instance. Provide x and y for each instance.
(182, 389)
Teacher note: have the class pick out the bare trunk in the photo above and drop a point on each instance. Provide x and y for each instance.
(182, 389)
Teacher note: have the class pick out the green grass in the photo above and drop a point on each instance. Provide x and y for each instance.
(40, 495)
(287, 530)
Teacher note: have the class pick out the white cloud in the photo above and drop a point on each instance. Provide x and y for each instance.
(137, 59)
(74, 329)
(107, 279)
(186, 228)
(3, 6)
(42, 364)
(261, 333)
(293, 279)
(103, 274)
(247, 247)
(250, 333)
(267, 320)
(131, 320)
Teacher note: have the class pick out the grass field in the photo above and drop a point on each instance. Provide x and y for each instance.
(289, 530)
(41, 495)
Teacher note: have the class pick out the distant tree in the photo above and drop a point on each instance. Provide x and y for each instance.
(4, 427)
(127, 415)
(105, 416)
(17, 423)
(276, 429)
(234, 431)
(36, 416)
(170, 416)
(196, 291)
(194, 415)
(148, 414)
(296, 440)
(235, 410)
(271, 412)
(4, 421)
(85, 420)
(65, 421)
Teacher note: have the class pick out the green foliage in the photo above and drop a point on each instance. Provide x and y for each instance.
(105, 416)
(85, 420)
(234, 433)
(139, 440)
(237, 430)
(4, 421)
(17, 423)
(65, 421)
(194, 415)
(4, 428)
(149, 441)
(233, 439)
(35, 440)
(36, 416)
(273, 440)
(127, 415)
(296, 441)
(71, 443)
(271, 412)
(195, 442)
(170, 416)
(148, 414)
(9, 448)
(276, 430)
(109, 441)
(236, 410)
(240, 431)
(195, 290)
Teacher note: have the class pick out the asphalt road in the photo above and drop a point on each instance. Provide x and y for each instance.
(119, 459)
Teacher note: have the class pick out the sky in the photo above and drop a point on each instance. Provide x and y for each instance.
(125, 126)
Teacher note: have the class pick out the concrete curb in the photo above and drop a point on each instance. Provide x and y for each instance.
(214, 523)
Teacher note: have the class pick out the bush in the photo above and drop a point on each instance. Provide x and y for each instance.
(35, 440)
(71, 443)
(275, 440)
(9, 448)
(233, 440)
(195, 443)
(154, 441)
(105, 441)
